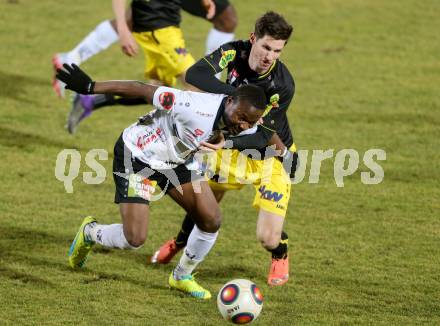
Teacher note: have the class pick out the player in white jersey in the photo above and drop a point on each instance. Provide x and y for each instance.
(155, 150)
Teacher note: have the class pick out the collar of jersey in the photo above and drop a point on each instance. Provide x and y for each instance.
(268, 72)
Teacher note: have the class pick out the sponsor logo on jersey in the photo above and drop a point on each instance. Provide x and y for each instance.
(166, 99)
(273, 104)
(140, 187)
(269, 194)
(274, 99)
(280, 207)
(205, 114)
(192, 136)
(227, 56)
(233, 76)
(148, 138)
(181, 51)
(198, 132)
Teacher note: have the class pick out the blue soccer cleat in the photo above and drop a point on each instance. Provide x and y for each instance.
(80, 247)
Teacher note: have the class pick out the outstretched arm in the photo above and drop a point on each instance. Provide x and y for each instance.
(128, 43)
(78, 81)
(202, 75)
(126, 88)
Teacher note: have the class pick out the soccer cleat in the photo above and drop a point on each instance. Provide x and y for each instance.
(189, 285)
(82, 107)
(279, 272)
(57, 63)
(166, 252)
(80, 247)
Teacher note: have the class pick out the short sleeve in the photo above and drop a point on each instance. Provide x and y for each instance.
(165, 98)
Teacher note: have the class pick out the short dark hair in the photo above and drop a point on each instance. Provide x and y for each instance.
(274, 25)
(252, 94)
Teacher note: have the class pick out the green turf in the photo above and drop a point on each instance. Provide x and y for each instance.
(367, 75)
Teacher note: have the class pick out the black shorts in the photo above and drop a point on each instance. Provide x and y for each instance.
(194, 7)
(135, 181)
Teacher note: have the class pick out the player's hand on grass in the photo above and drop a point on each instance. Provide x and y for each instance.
(289, 160)
(75, 79)
(209, 6)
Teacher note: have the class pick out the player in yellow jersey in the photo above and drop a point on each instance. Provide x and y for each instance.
(153, 26)
(255, 61)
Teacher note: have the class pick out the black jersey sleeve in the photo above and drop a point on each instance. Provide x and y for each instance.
(202, 76)
(202, 73)
(258, 140)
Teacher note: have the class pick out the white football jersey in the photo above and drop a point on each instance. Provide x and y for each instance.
(170, 134)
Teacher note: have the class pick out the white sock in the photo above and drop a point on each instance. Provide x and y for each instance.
(215, 39)
(96, 41)
(198, 246)
(110, 236)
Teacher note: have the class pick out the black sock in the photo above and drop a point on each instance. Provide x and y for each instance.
(187, 226)
(103, 100)
(280, 252)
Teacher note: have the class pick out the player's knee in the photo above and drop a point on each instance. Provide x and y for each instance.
(136, 239)
(226, 21)
(137, 242)
(211, 221)
(218, 195)
(269, 240)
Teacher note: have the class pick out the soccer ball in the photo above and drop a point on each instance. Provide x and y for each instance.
(240, 301)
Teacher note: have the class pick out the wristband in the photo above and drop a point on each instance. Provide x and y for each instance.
(91, 87)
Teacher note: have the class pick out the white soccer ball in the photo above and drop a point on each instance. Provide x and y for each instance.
(240, 301)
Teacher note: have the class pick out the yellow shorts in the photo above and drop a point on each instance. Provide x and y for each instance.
(234, 170)
(165, 54)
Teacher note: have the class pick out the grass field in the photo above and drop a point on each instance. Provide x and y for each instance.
(367, 75)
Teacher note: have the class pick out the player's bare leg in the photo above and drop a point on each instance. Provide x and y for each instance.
(131, 234)
(135, 222)
(272, 238)
(226, 21)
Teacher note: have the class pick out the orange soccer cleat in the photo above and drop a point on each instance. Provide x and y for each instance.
(279, 272)
(166, 252)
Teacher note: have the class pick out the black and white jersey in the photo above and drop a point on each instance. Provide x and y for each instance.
(169, 135)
